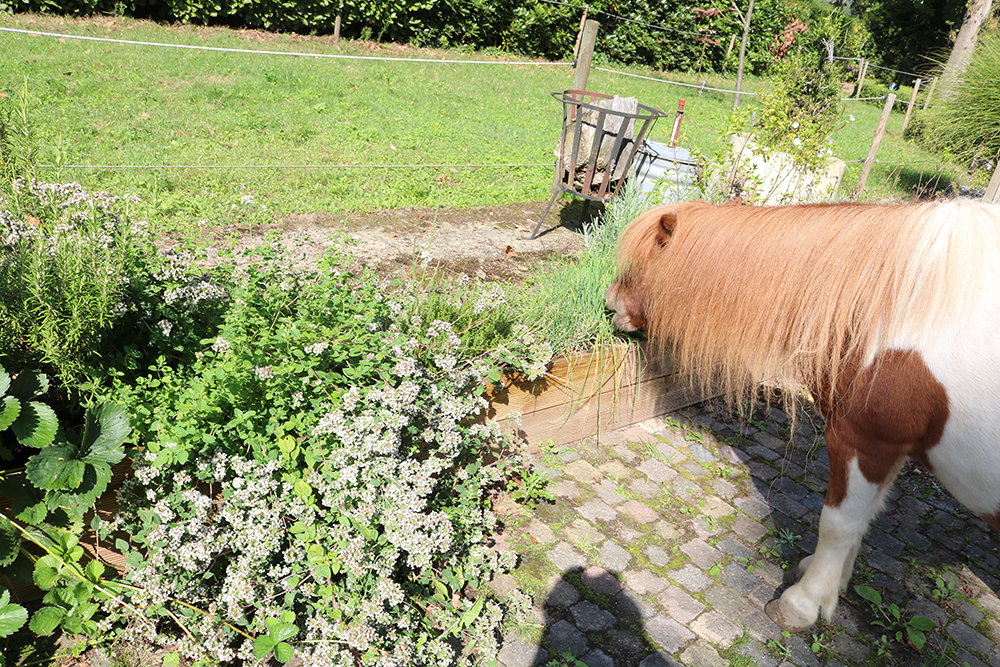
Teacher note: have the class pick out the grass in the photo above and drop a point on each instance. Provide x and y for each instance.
(111, 103)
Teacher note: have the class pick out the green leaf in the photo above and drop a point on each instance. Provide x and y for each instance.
(56, 467)
(12, 616)
(283, 652)
(922, 623)
(29, 384)
(10, 408)
(262, 646)
(10, 544)
(36, 426)
(172, 659)
(105, 430)
(472, 614)
(46, 572)
(4, 381)
(46, 619)
(869, 594)
(282, 631)
(94, 571)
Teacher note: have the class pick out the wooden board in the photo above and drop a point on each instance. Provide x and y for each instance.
(583, 395)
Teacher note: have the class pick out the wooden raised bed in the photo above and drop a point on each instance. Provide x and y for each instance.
(586, 394)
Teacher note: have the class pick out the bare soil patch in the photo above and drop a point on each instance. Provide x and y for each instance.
(489, 239)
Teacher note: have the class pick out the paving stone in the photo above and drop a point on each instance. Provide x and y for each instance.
(736, 577)
(735, 548)
(601, 581)
(561, 593)
(716, 628)
(691, 578)
(582, 531)
(569, 455)
(701, 554)
(685, 488)
(747, 527)
(644, 488)
(700, 454)
(848, 649)
(639, 511)
(566, 558)
(716, 508)
(724, 489)
(726, 601)
(644, 582)
(607, 491)
(692, 468)
(801, 653)
(787, 506)
(755, 507)
(759, 624)
(583, 472)
(702, 655)
(566, 488)
(914, 538)
(658, 555)
(679, 605)
(631, 604)
(626, 454)
(969, 638)
(757, 653)
(966, 659)
(762, 471)
(660, 660)
(733, 455)
(924, 607)
(597, 510)
(614, 557)
(590, 618)
(518, 653)
(968, 612)
(597, 658)
(542, 533)
(502, 584)
(563, 637)
(884, 541)
(764, 452)
(668, 633)
(667, 531)
(638, 434)
(657, 471)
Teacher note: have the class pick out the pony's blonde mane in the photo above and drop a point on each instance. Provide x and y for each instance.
(743, 294)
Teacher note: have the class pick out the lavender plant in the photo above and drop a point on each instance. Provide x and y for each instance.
(317, 481)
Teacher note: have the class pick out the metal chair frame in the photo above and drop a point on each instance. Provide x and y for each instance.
(569, 149)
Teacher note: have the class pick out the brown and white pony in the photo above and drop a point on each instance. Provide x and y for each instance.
(889, 315)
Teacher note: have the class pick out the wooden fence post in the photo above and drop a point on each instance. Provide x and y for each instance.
(862, 70)
(870, 160)
(993, 189)
(909, 107)
(579, 34)
(582, 72)
(930, 91)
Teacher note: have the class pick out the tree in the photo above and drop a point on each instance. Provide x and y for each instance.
(965, 44)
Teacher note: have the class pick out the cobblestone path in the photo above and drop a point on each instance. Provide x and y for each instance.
(666, 539)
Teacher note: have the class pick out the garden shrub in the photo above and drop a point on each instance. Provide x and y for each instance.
(965, 126)
(316, 480)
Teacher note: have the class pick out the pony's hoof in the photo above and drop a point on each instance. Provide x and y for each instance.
(776, 613)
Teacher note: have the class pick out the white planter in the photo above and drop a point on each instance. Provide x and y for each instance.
(772, 177)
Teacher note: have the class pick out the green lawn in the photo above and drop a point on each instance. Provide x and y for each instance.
(302, 134)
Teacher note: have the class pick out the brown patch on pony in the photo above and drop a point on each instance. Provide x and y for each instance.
(892, 410)
(786, 293)
(993, 520)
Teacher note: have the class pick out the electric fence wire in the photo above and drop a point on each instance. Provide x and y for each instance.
(299, 54)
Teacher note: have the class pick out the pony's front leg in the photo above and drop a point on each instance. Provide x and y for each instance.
(851, 503)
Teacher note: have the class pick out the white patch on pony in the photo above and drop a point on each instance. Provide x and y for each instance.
(828, 570)
(962, 351)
